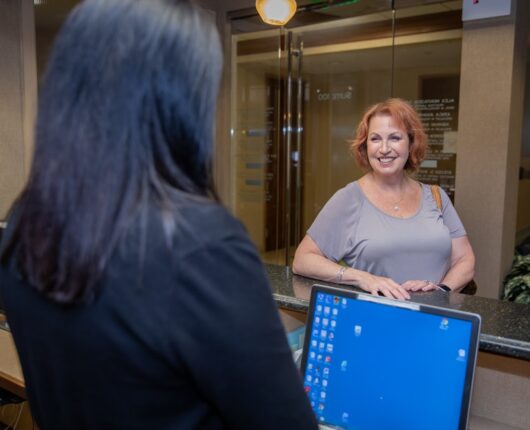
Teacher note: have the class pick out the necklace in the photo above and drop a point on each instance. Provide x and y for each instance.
(386, 201)
(396, 207)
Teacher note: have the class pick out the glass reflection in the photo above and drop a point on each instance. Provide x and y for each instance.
(353, 56)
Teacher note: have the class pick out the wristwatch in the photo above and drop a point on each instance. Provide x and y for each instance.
(444, 288)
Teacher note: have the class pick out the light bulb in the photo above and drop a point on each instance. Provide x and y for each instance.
(276, 12)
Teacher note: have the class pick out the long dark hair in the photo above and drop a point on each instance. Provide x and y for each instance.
(125, 120)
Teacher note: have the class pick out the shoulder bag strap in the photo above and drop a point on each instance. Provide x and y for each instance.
(435, 190)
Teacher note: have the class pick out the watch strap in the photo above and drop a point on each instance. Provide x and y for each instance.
(444, 288)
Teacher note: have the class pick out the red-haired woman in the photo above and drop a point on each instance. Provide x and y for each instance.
(386, 226)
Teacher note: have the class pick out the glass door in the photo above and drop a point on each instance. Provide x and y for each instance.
(299, 92)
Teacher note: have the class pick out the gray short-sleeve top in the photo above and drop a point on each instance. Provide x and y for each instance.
(350, 228)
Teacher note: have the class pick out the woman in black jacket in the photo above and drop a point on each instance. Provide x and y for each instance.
(135, 299)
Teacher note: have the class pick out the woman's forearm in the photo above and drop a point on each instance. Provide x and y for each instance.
(317, 266)
(462, 264)
(460, 274)
(310, 261)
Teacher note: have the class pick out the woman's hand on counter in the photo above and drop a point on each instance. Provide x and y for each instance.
(379, 285)
(419, 285)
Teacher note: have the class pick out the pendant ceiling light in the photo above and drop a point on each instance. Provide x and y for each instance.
(276, 12)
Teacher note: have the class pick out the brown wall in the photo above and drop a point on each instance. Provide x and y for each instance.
(17, 97)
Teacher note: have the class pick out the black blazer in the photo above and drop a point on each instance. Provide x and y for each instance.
(183, 336)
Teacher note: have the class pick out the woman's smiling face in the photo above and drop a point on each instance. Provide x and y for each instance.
(387, 146)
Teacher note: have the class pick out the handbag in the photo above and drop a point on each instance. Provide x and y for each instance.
(471, 286)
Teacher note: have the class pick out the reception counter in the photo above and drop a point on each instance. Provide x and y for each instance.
(11, 378)
(502, 382)
(501, 391)
(505, 325)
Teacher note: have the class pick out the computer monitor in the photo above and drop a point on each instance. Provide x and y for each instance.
(371, 363)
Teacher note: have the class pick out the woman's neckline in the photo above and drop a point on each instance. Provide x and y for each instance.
(414, 215)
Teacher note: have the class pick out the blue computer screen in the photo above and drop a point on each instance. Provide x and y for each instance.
(371, 366)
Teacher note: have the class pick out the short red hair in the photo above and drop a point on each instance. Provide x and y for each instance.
(406, 118)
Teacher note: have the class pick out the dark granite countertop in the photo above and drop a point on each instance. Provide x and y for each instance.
(505, 325)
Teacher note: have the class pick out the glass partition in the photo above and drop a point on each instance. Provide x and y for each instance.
(299, 92)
